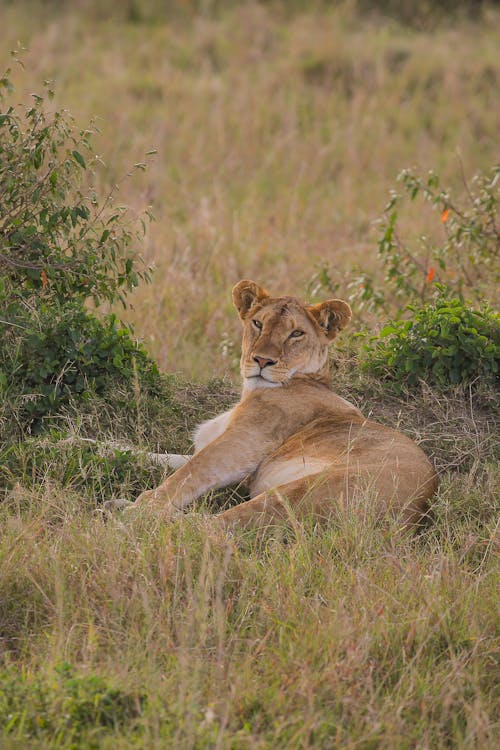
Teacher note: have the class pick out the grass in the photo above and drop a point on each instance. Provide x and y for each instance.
(347, 636)
(279, 134)
(142, 634)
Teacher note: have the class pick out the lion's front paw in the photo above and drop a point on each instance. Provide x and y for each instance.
(155, 502)
(117, 504)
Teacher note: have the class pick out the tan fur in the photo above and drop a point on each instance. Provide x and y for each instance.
(301, 449)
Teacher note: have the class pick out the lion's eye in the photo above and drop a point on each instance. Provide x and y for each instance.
(296, 334)
(257, 324)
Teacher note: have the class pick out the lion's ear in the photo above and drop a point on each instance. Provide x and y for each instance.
(246, 294)
(332, 316)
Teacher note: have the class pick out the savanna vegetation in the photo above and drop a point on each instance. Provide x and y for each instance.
(324, 149)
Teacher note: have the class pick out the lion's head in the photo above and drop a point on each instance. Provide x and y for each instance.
(284, 337)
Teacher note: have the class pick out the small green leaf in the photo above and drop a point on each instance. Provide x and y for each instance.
(79, 158)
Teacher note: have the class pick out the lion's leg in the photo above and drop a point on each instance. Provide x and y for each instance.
(375, 490)
(167, 460)
(289, 501)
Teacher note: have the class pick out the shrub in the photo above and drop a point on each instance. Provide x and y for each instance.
(465, 264)
(62, 352)
(441, 339)
(58, 239)
(444, 342)
(61, 246)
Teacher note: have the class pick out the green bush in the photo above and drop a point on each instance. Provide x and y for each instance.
(62, 353)
(465, 263)
(445, 342)
(61, 247)
(433, 333)
(58, 238)
(461, 261)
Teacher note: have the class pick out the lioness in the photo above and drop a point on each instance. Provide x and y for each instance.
(300, 448)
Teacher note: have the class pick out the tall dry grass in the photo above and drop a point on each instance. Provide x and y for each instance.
(278, 139)
(349, 636)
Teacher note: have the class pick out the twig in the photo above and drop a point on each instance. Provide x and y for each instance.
(9, 323)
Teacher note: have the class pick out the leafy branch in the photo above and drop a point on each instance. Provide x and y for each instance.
(56, 235)
(465, 264)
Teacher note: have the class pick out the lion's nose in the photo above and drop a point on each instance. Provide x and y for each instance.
(264, 362)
